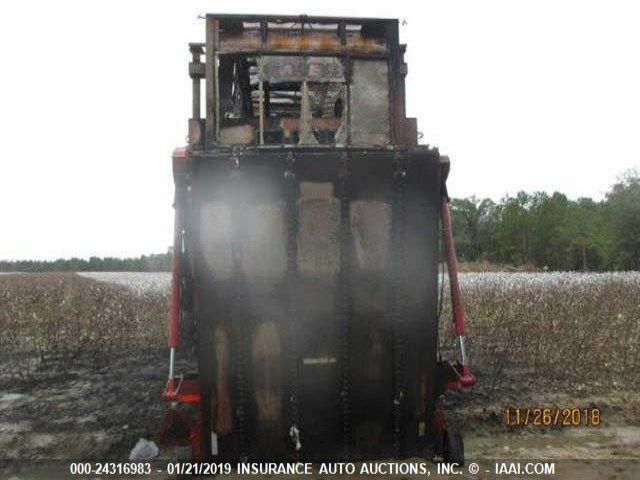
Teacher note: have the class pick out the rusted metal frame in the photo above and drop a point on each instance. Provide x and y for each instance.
(214, 153)
(292, 193)
(310, 53)
(295, 18)
(216, 83)
(261, 101)
(342, 33)
(392, 37)
(345, 300)
(304, 120)
(398, 302)
(347, 107)
(401, 100)
(348, 74)
(304, 126)
(264, 31)
(211, 53)
(196, 72)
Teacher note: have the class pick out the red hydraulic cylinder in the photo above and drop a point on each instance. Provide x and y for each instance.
(174, 299)
(466, 378)
(452, 265)
(179, 159)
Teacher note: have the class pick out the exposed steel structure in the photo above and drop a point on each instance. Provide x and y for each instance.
(307, 237)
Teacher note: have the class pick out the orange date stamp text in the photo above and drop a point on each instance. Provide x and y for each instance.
(551, 417)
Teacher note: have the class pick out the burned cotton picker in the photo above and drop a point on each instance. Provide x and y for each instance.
(307, 232)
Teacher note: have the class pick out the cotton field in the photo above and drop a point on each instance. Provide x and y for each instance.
(577, 282)
(154, 282)
(140, 283)
(63, 314)
(85, 356)
(571, 329)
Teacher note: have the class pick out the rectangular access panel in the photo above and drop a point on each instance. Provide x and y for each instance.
(314, 295)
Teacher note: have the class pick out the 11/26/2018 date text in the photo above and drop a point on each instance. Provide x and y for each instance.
(551, 417)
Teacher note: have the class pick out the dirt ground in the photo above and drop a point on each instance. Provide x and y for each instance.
(94, 411)
(85, 411)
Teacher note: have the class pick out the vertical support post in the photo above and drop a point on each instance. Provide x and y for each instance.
(347, 106)
(194, 70)
(305, 130)
(395, 97)
(211, 79)
(197, 73)
(195, 108)
(348, 71)
(401, 104)
(261, 99)
(264, 32)
(216, 83)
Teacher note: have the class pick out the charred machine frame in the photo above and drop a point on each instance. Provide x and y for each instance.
(308, 226)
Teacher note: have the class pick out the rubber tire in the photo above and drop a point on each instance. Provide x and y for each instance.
(453, 448)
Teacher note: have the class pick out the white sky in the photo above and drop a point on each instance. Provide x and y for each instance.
(533, 95)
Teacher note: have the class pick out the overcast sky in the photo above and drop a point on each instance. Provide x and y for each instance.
(523, 95)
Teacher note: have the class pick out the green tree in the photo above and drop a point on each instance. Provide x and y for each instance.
(593, 241)
(464, 220)
(513, 231)
(623, 209)
(474, 224)
(554, 231)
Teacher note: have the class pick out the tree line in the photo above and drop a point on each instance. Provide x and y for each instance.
(551, 231)
(157, 262)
